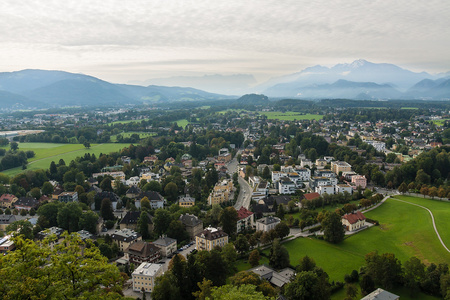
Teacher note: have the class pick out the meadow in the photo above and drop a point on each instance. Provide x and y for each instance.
(142, 135)
(128, 121)
(48, 152)
(182, 123)
(440, 122)
(289, 116)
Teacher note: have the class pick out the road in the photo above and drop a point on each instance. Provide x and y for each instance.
(245, 193)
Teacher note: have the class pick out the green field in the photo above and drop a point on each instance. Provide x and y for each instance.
(440, 122)
(404, 230)
(127, 121)
(182, 123)
(289, 116)
(48, 152)
(142, 135)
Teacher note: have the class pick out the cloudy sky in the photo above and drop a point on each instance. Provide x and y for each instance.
(124, 41)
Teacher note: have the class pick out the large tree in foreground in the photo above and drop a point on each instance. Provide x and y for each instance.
(72, 269)
(333, 230)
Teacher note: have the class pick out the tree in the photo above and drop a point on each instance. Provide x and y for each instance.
(279, 256)
(69, 217)
(306, 264)
(241, 244)
(171, 191)
(266, 173)
(14, 146)
(306, 285)
(161, 221)
(204, 291)
(153, 186)
(385, 269)
(253, 258)
(47, 188)
(228, 218)
(367, 284)
(282, 230)
(35, 193)
(414, 274)
(350, 291)
(50, 212)
(106, 209)
(403, 188)
(105, 184)
(23, 227)
(332, 227)
(64, 271)
(231, 292)
(88, 221)
(87, 145)
(177, 231)
(145, 204)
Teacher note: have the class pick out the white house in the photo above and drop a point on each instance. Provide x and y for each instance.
(325, 189)
(286, 186)
(303, 173)
(267, 223)
(354, 221)
(341, 188)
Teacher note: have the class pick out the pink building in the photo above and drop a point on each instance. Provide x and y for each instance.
(358, 180)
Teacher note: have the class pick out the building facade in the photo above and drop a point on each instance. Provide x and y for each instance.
(145, 275)
(209, 238)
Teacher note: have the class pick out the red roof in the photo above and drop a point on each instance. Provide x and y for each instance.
(355, 217)
(243, 213)
(311, 196)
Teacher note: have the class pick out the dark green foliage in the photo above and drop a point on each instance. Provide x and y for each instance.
(333, 229)
(279, 256)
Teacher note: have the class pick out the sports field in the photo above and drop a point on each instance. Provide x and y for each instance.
(289, 116)
(404, 230)
(48, 152)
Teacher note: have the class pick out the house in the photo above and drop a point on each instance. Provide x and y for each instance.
(277, 279)
(26, 203)
(7, 200)
(354, 221)
(267, 223)
(311, 196)
(316, 181)
(125, 237)
(85, 235)
(186, 201)
(192, 224)
(133, 192)
(156, 200)
(286, 186)
(341, 188)
(5, 220)
(380, 294)
(221, 192)
(53, 232)
(340, 167)
(260, 191)
(359, 181)
(210, 238)
(167, 245)
(130, 221)
(321, 163)
(6, 244)
(145, 275)
(325, 189)
(306, 163)
(141, 251)
(245, 219)
(68, 197)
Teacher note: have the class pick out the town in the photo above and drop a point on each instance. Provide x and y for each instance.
(210, 199)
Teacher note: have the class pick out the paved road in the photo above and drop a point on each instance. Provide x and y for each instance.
(245, 194)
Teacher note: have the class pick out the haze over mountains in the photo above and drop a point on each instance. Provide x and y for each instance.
(360, 80)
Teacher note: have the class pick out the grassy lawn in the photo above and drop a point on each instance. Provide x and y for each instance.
(290, 116)
(409, 107)
(440, 122)
(127, 121)
(404, 230)
(48, 152)
(142, 135)
(182, 123)
(242, 265)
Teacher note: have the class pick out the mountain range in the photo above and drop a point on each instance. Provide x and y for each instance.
(360, 80)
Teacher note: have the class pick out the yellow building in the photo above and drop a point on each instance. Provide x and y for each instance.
(210, 238)
(145, 275)
(340, 166)
(186, 201)
(221, 192)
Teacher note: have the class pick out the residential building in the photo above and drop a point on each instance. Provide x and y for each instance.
(260, 191)
(380, 294)
(85, 235)
(321, 163)
(318, 181)
(311, 196)
(192, 224)
(341, 188)
(155, 198)
(354, 221)
(254, 181)
(277, 175)
(141, 251)
(145, 275)
(267, 223)
(133, 192)
(209, 238)
(245, 219)
(26, 203)
(5, 220)
(186, 201)
(167, 245)
(6, 244)
(131, 218)
(7, 200)
(340, 167)
(325, 189)
(54, 232)
(221, 192)
(359, 181)
(324, 173)
(379, 146)
(125, 237)
(277, 279)
(304, 174)
(286, 186)
(68, 197)
(306, 163)
(119, 175)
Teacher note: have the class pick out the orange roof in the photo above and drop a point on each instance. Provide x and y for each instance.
(243, 213)
(355, 217)
(311, 196)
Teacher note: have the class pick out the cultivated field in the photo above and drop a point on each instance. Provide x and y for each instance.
(48, 152)
(289, 116)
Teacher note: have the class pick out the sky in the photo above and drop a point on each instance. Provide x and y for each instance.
(125, 41)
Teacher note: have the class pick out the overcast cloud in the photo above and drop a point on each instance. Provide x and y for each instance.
(122, 41)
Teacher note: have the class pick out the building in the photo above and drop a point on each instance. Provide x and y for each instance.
(141, 251)
(155, 198)
(125, 237)
(267, 223)
(379, 146)
(210, 238)
(306, 163)
(6, 244)
(325, 189)
(133, 192)
(354, 221)
(5, 220)
(145, 275)
(26, 203)
(340, 167)
(321, 163)
(286, 186)
(359, 181)
(277, 279)
(304, 174)
(324, 173)
(380, 294)
(68, 197)
(115, 175)
(55, 232)
(315, 182)
(221, 192)
(245, 219)
(186, 201)
(130, 221)
(7, 200)
(167, 245)
(192, 224)
(260, 191)
(341, 188)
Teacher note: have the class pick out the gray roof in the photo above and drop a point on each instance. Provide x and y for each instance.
(277, 279)
(164, 241)
(190, 220)
(269, 220)
(7, 219)
(380, 294)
